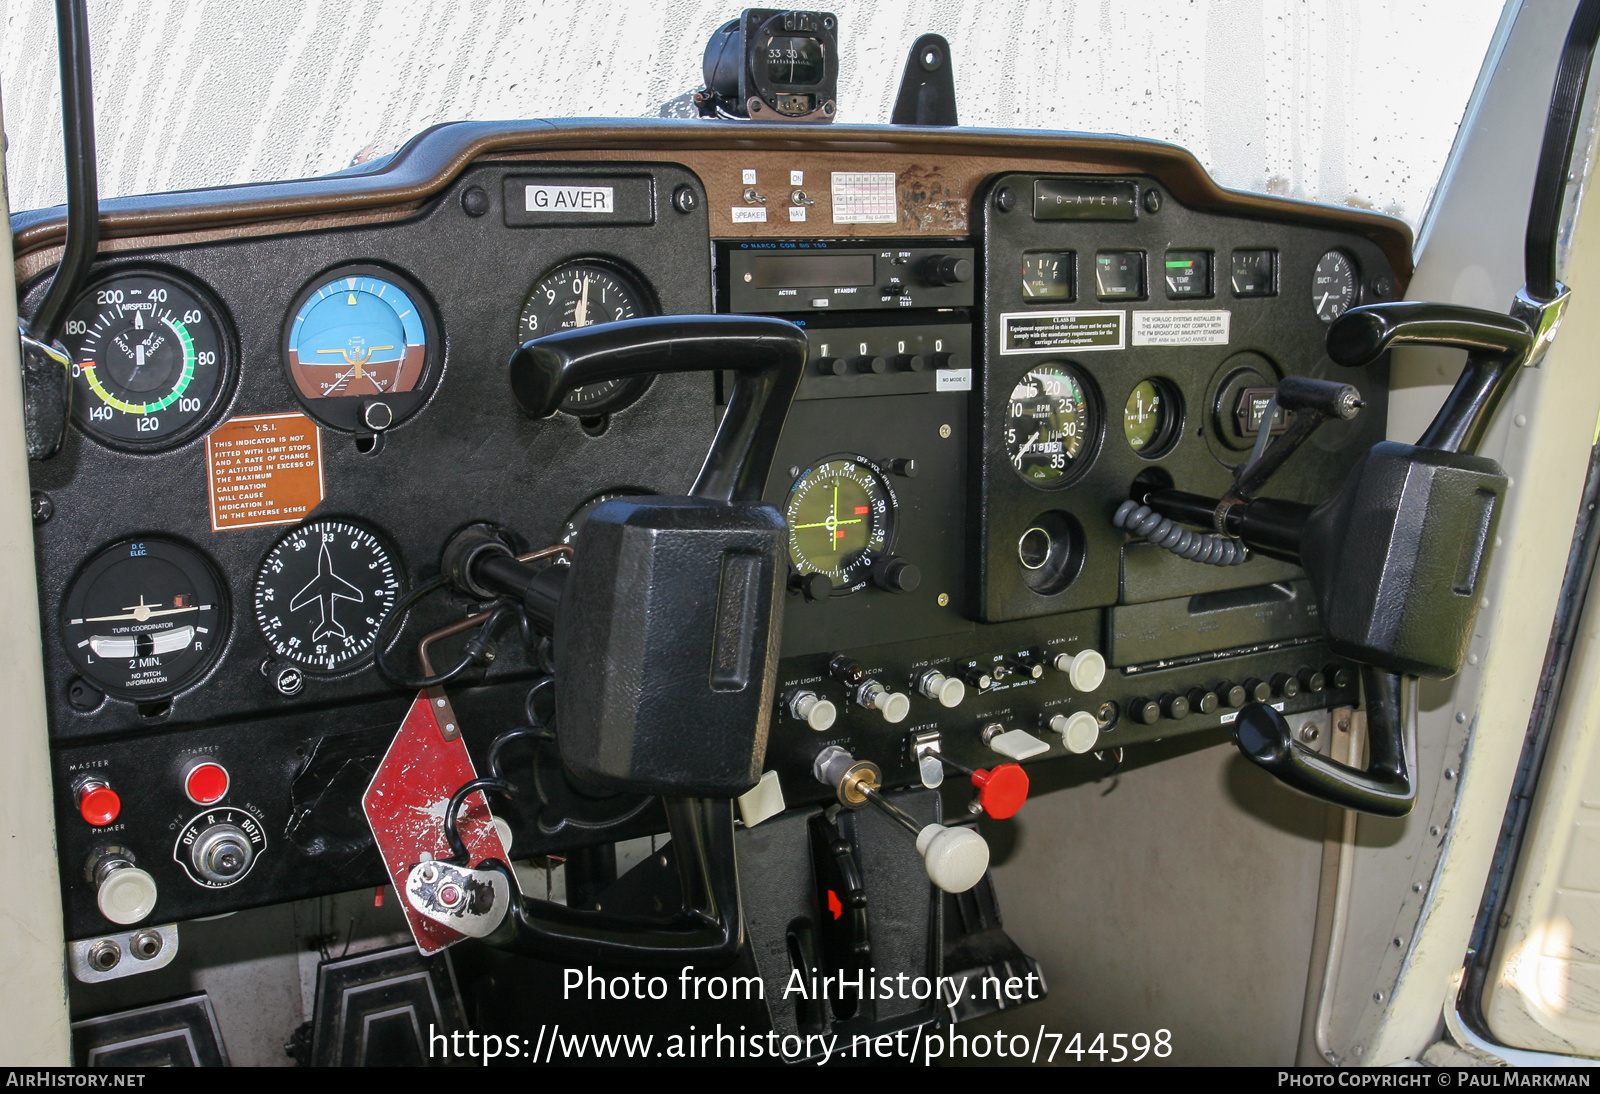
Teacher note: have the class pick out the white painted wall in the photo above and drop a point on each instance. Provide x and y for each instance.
(1334, 100)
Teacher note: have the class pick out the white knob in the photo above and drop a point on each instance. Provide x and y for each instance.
(1078, 731)
(947, 689)
(814, 711)
(1017, 744)
(126, 895)
(1085, 670)
(891, 704)
(955, 858)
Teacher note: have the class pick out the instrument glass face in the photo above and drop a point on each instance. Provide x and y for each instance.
(1333, 286)
(144, 618)
(149, 359)
(322, 592)
(841, 515)
(1047, 275)
(1150, 418)
(582, 294)
(354, 335)
(1048, 422)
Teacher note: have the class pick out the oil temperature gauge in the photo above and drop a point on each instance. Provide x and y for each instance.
(841, 515)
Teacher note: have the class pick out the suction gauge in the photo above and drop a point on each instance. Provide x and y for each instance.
(1333, 286)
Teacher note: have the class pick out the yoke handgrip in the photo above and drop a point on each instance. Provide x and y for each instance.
(1497, 346)
(1385, 788)
(766, 356)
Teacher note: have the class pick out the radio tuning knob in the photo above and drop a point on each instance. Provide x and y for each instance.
(895, 574)
(1201, 701)
(813, 710)
(949, 360)
(946, 689)
(831, 366)
(813, 586)
(1146, 712)
(1313, 680)
(1175, 706)
(1286, 685)
(978, 678)
(1257, 690)
(1026, 665)
(939, 270)
(869, 363)
(1233, 696)
(908, 362)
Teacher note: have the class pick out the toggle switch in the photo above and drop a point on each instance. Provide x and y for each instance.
(1086, 669)
(1078, 731)
(813, 710)
(946, 689)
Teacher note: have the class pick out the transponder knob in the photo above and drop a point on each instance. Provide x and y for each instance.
(813, 710)
(946, 689)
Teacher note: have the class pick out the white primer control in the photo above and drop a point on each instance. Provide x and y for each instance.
(955, 858)
(1086, 670)
(126, 896)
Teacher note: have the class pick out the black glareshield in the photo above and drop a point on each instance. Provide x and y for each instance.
(766, 357)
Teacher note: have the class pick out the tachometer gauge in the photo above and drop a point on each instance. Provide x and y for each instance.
(581, 294)
(362, 348)
(144, 618)
(1049, 424)
(149, 359)
(841, 515)
(1333, 286)
(1150, 417)
(322, 593)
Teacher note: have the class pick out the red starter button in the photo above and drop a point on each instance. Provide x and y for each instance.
(99, 804)
(206, 783)
(1003, 791)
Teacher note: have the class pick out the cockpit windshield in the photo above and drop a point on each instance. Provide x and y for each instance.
(1350, 102)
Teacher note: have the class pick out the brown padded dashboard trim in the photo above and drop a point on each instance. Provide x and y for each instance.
(939, 171)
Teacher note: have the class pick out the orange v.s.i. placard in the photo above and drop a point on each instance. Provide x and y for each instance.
(263, 469)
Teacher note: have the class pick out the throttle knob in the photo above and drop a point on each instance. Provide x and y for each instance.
(940, 270)
(955, 858)
(1003, 791)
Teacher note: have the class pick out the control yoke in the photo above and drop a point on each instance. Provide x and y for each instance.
(687, 594)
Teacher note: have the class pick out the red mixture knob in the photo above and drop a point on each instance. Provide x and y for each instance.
(1002, 791)
(98, 803)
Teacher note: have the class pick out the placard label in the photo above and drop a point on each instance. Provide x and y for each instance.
(263, 469)
(864, 197)
(953, 379)
(1181, 328)
(1052, 331)
(749, 214)
(568, 199)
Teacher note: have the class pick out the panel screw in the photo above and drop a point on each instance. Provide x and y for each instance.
(1450, 773)
(944, 432)
(43, 507)
(1152, 201)
(1461, 717)
(83, 695)
(1309, 733)
(1399, 942)
(1005, 199)
(1377, 997)
(1382, 288)
(684, 199)
(1416, 886)
(1435, 830)
(944, 600)
(474, 201)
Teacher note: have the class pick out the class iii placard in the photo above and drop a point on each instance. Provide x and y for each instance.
(864, 197)
(1050, 332)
